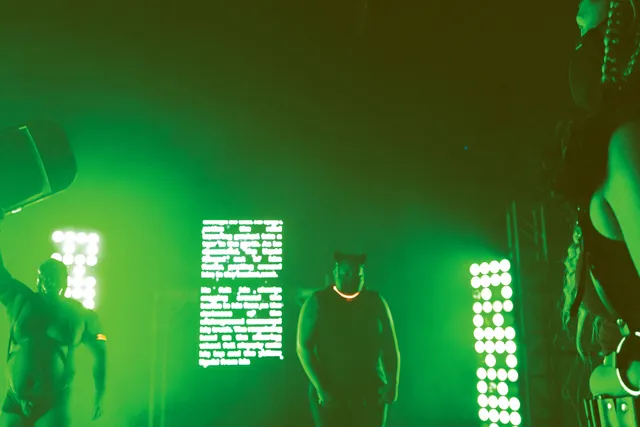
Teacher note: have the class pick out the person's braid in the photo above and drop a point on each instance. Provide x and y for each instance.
(621, 23)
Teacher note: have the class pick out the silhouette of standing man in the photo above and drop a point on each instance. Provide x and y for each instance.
(348, 348)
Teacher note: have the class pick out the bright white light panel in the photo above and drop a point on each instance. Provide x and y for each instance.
(241, 296)
(241, 249)
(495, 334)
(79, 251)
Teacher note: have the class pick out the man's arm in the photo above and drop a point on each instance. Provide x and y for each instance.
(96, 340)
(306, 340)
(390, 349)
(10, 288)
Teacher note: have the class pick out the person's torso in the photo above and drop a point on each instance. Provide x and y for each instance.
(349, 338)
(614, 274)
(615, 283)
(42, 341)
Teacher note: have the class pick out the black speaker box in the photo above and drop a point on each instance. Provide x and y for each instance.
(36, 162)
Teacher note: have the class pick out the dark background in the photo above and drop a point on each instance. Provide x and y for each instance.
(401, 129)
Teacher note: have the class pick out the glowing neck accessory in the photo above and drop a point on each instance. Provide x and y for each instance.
(346, 296)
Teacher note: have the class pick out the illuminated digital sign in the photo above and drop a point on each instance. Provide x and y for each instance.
(240, 296)
(241, 249)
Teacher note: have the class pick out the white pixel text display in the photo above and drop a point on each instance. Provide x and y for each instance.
(241, 311)
(241, 249)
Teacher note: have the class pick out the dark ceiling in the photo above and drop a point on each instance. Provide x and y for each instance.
(424, 94)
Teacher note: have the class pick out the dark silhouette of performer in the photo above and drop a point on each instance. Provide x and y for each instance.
(46, 329)
(600, 179)
(348, 348)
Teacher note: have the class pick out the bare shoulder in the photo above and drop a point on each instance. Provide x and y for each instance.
(90, 315)
(79, 308)
(314, 298)
(381, 300)
(624, 149)
(311, 304)
(75, 304)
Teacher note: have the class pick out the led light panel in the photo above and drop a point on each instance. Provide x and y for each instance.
(495, 336)
(79, 251)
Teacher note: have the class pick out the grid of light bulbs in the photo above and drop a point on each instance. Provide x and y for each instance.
(495, 344)
(79, 251)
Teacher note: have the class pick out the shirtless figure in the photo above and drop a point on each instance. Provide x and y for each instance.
(348, 348)
(46, 329)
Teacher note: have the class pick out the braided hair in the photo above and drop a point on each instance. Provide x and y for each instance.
(621, 44)
(604, 334)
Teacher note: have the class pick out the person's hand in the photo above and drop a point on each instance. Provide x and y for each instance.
(388, 394)
(325, 398)
(26, 407)
(97, 411)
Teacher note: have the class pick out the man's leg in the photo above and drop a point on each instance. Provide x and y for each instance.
(58, 413)
(54, 418)
(12, 413)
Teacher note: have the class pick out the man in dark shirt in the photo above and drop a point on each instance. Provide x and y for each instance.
(46, 329)
(348, 348)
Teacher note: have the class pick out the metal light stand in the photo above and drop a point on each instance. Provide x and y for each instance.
(527, 236)
(160, 346)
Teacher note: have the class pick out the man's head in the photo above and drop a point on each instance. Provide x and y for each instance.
(52, 277)
(591, 13)
(348, 272)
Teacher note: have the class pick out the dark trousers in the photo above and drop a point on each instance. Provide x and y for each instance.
(357, 413)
